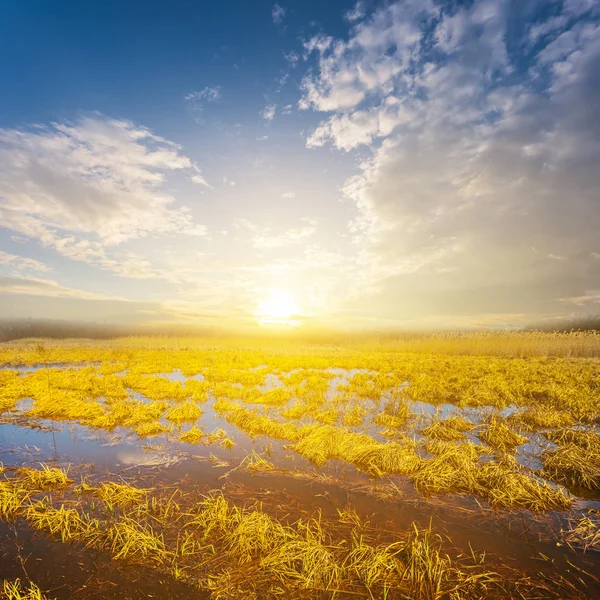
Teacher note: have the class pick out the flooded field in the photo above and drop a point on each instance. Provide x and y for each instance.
(148, 470)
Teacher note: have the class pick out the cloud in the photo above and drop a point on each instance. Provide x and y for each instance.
(198, 99)
(356, 13)
(94, 253)
(278, 14)
(20, 263)
(269, 112)
(47, 287)
(24, 297)
(483, 136)
(266, 237)
(97, 177)
(288, 195)
(292, 58)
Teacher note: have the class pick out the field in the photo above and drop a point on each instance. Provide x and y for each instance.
(431, 466)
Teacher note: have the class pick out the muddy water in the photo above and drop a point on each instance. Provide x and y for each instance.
(528, 542)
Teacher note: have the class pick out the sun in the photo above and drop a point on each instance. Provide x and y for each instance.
(278, 307)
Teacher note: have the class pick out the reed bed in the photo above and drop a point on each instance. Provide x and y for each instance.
(449, 414)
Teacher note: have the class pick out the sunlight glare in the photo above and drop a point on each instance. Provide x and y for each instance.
(277, 308)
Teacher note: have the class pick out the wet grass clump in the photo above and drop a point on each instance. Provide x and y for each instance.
(120, 495)
(12, 499)
(574, 466)
(500, 436)
(450, 429)
(45, 478)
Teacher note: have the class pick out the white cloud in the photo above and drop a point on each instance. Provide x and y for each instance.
(199, 98)
(291, 58)
(20, 263)
(278, 14)
(269, 112)
(98, 177)
(288, 195)
(47, 287)
(472, 162)
(269, 237)
(356, 13)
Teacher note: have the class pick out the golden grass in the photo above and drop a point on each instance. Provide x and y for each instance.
(588, 440)
(535, 418)
(236, 551)
(554, 396)
(456, 468)
(45, 478)
(12, 499)
(63, 522)
(584, 534)
(186, 412)
(324, 443)
(573, 465)
(120, 495)
(500, 436)
(17, 590)
(449, 429)
(192, 436)
(354, 416)
(151, 429)
(254, 462)
(506, 485)
(130, 540)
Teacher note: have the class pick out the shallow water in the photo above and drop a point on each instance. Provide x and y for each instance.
(517, 538)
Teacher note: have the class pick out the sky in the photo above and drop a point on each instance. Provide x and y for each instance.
(411, 163)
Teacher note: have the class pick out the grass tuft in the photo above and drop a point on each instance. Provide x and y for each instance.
(573, 465)
(16, 590)
(500, 436)
(120, 495)
(45, 478)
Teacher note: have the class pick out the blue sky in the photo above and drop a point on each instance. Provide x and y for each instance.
(417, 163)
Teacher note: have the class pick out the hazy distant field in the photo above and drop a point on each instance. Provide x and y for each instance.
(441, 466)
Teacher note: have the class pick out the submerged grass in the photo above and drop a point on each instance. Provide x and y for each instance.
(584, 534)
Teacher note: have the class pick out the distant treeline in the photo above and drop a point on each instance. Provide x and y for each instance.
(586, 323)
(40, 328)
